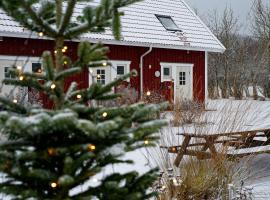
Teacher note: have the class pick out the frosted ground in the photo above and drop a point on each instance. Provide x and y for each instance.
(222, 115)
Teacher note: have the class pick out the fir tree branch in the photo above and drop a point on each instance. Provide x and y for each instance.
(33, 15)
(66, 19)
(13, 106)
(59, 11)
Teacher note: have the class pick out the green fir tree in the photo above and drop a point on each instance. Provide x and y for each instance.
(50, 152)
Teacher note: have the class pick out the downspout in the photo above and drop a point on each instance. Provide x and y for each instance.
(141, 70)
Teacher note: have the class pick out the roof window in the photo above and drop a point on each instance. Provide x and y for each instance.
(168, 23)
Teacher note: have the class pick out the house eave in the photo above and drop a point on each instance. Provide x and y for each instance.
(120, 42)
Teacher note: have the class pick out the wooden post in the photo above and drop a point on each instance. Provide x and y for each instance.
(182, 151)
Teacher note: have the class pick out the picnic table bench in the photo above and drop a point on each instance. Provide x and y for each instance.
(232, 143)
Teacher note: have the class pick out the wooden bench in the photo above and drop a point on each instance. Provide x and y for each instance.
(241, 143)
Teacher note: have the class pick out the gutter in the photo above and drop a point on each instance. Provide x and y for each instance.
(141, 69)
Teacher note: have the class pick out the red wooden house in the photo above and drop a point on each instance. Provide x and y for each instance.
(163, 40)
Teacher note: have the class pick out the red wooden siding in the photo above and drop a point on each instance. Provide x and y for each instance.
(32, 47)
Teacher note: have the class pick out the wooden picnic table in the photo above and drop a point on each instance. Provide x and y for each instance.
(204, 146)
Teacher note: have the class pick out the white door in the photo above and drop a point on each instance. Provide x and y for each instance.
(184, 83)
(101, 75)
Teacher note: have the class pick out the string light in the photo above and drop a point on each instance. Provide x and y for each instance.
(64, 50)
(53, 86)
(21, 78)
(79, 96)
(146, 142)
(91, 147)
(148, 93)
(51, 151)
(40, 34)
(173, 149)
(19, 68)
(104, 64)
(98, 76)
(65, 47)
(105, 114)
(65, 62)
(163, 187)
(15, 101)
(55, 52)
(53, 185)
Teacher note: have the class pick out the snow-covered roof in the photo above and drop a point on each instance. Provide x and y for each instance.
(141, 27)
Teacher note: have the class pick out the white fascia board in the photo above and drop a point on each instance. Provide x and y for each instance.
(123, 43)
(206, 27)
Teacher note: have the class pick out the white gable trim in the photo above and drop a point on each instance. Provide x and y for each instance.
(206, 27)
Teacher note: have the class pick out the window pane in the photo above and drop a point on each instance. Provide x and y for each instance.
(101, 76)
(168, 23)
(8, 74)
(166, 71)
(120, 70)
(36, 67)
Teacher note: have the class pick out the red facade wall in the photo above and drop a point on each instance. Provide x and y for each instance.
(31, 47)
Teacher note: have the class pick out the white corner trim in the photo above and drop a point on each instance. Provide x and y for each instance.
(206, 77)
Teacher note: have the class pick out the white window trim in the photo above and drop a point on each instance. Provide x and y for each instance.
(115, 63)
(173, 71)
(165, 78)
(25, 59)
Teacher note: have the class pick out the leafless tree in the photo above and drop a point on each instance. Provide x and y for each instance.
(261, 30)
(226, 28)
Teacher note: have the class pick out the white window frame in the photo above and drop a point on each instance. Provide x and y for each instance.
(163, 77)
(174, 75)
(25, 59)
(116, 63)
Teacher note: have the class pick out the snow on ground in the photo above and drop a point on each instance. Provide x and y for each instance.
(222, 115)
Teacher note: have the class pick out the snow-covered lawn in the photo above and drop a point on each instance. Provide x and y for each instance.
(221, 115)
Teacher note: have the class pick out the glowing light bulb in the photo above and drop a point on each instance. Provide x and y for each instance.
(15, 101)
(40, 34)
(19, 68)
(65, 47)
(148, 93)
(65, 62)
(53, 86)
(64, 50)
(91, 147)
(98, 76)
(21, 78)
(104, 64)
(174, 149)
(53, 185)
(105, 114)
(51, 151)
(146, 142)
(55, 52)
(163, 187)
(79, 96)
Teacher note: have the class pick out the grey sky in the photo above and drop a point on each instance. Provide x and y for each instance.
(241, 8)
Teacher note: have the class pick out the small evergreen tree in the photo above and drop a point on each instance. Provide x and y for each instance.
(50, 152)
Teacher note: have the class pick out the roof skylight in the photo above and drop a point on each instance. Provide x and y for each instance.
(168, 23)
